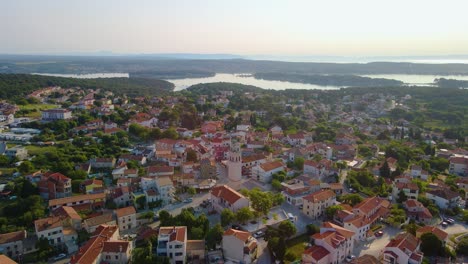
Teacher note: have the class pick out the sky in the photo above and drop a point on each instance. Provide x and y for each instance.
(244, 27)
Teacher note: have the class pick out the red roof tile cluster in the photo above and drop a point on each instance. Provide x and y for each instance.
(226, 193)
(317, 252)
(268, 166)
(12, 237)
(175, 233)
(241, 235)
(319, 196)
(121, 212)
(404, 241)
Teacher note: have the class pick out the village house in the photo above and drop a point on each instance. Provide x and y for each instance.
(264, 172)
(331, 245)
(444, 197)
(411, 190)
(404, 248)
(91, 201)
(54, 185)
(104, 246)
(172, 243)
(166, 189)
(416, 211)
(91, 186)
(126, 218)
(459, 165)
(11, 244)
(102, 163)
(91, 224)
(314, 204)
(225, 197)
(417, 172)
(56, 114)
(154, 171)
(121, 196)
(294, 192)
(239, 246)
(439, 233)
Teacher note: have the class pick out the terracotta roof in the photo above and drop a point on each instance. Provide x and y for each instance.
(318, 196)
(6, 260)
(444, 193)
(176, 233)
(268, 166)
(115, 246)
(93, 247)
(12, 237)
(195, 245)
(47, 223)
(67, 211)
(76, 198)
(317, 252)
(371, 203)
(164, 181)
(98, 220)
(125, 211)
(410, 186)
(226, 193)
(340, 230)
(404, 241)
(241, 235)
(459, 160)
(442, 235)
(160, 169)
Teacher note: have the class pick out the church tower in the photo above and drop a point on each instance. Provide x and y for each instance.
(234, 163)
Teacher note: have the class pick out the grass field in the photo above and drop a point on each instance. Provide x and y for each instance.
(297, 245)
(37, 107)
(34, 150)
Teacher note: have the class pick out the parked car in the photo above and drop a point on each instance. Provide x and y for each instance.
(188, 200)
(350, 258)
(237, 227)
(259, 234)
(444, 224)
(450, 221)
(378, 233)
(60, 256)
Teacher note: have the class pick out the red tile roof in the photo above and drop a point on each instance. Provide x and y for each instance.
(93, 247)
(12, 237)
(317, 252)
(404, 241)
(115, 246)
(268, 166)
(226, 193)
(176, 233)
(125, 211)
(318, 196)
(442, 235)
(241, 235)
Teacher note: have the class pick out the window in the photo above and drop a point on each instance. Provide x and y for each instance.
(116, 257)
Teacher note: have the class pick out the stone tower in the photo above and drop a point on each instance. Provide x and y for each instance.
(234, 163)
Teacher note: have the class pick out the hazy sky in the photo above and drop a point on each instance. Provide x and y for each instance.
(289, 27)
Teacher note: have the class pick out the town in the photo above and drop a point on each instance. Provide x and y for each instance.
(227, 173)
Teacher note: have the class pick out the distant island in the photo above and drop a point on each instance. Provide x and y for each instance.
(329, 80)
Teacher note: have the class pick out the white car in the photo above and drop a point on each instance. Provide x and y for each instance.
(258, 234)
(350, 258)
(60, 256)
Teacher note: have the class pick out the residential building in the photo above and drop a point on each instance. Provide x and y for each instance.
(331, 245)
(416, 211)
(294, 192)
(93, 201)
(225, 197)
(50, 228)
(154, 171)
(208, 169)
(172, 243)
(19, 152)
(314, 204)
(239, 246)
(439, 233)
(444, 197)
(263, 172)
(104, 246)
(404, 248)
(91, 186)
(411, 190)
(55, 185)
(126, 218)
(165, 188)
(56, 114)
(11, 244)
(91, 224)
(102, 163)
(121, 196)
(459, 165)
(417, 172)
(373, 208)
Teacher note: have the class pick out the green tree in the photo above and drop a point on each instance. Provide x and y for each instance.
(261, 201)
(401, 197)
(299, 163)
(385, 170)
(287, 229)
(244, 214)
(331, 211)
(196, 233)
(141, 202)
(26, 167)
(351, 199)
(166, 218)
(312, 229)
(431, 245)
(214, 236)
(192, 191)
(277, 246)
(276, 185)
(227, 217)
(44, 249)
(462, 246)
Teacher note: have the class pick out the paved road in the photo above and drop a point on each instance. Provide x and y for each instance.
(263, 253)
(375, 247)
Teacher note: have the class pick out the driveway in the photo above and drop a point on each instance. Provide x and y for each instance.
(375, 246)
(263, 253)
(302, 219)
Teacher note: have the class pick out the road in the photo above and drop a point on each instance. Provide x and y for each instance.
(263, 253)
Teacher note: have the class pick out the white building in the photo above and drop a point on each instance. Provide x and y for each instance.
(331, 245)
(444, 198)
(264, 172)
(459, 166)
(56, 114)
(314, 204)
(172, 243)
(126, 218)
(50, 228)
(239, 246)
(404, 248)
(225, 197)
(166, 189)
(11, 244)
